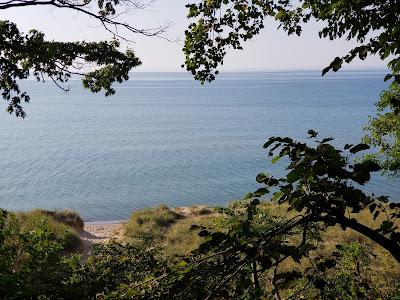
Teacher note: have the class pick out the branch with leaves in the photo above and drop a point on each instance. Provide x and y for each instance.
(100, 64)
(222, 24)
(319, 191)
(373, 25)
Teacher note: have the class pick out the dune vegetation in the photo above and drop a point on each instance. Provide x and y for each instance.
(38, 256)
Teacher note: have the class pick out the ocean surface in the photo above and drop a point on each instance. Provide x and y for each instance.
(164, 138)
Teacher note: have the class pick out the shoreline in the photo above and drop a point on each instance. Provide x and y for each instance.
(105, 222)
(95, 232)
(184, 210)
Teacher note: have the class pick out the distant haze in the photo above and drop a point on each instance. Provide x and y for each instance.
(272, 50)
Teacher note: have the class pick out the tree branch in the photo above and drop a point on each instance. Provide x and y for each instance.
(372, 234)
(106, 18)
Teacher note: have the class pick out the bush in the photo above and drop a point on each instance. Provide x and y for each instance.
(62, 233)
(33, 262)
(114, 265)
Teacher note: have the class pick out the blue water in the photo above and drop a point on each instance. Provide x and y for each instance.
(164, 138)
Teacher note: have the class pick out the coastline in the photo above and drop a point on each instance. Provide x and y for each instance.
(95, 232)
(105, 222)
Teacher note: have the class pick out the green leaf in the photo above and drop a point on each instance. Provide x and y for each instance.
(275, 159)
(294, 175)
(248, 196)
(372, 207)
(261, 192)
(358, 148)
(280, 15)
(261, 178)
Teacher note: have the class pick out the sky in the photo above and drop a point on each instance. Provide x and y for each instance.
(271, 50)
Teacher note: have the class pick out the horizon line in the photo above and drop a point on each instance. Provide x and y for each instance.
(370, 68)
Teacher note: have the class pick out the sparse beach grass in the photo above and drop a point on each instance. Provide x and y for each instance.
(63, 232)
(170, 228)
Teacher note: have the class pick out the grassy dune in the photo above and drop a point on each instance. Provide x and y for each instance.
(64, 225)
(170, 229)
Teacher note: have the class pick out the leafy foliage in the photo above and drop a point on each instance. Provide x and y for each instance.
(115, 266)
(101, 64)
(251, 246)
(25, 55)
(220, 24)
(35, 264)
(373, 25)
(384, 131)
(322, 184)
(32, 262)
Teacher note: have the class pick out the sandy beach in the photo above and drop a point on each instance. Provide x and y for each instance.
(98, 232)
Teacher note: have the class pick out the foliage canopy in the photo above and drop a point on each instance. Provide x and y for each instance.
(26, 55)
(220, 24)
(373, 25)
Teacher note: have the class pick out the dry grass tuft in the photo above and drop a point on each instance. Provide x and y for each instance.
(151, 223)
(66, 216)
(63, 233)
(170, 228)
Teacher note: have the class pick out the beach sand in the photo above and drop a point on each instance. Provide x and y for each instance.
(97, 232)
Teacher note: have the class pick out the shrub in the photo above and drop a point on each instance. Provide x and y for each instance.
(33, 264)
(62, 233)
(113, 265)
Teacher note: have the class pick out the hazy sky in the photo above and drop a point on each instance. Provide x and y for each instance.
(272, 50)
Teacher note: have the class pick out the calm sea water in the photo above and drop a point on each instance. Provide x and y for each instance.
(164, 138)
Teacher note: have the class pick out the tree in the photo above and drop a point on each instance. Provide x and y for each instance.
(220, 24)
(374, 25)
(322, 182)
(253, 246)
(384, 131)
(29, 54)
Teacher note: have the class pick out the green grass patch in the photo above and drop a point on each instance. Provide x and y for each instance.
(67, 217)
(62, 231)
(170, 228)
(151, 224)
(180, 240)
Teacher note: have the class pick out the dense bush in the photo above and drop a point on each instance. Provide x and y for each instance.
(113, 266)
(33, 260)
(63, 225)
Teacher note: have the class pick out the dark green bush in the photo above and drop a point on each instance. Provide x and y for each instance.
(57, 223)
(33, 263)
(115, 265)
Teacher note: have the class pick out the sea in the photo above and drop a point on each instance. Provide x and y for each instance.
(164, 138)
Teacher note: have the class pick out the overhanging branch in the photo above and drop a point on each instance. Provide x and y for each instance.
(388, 244)
(107, 14)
